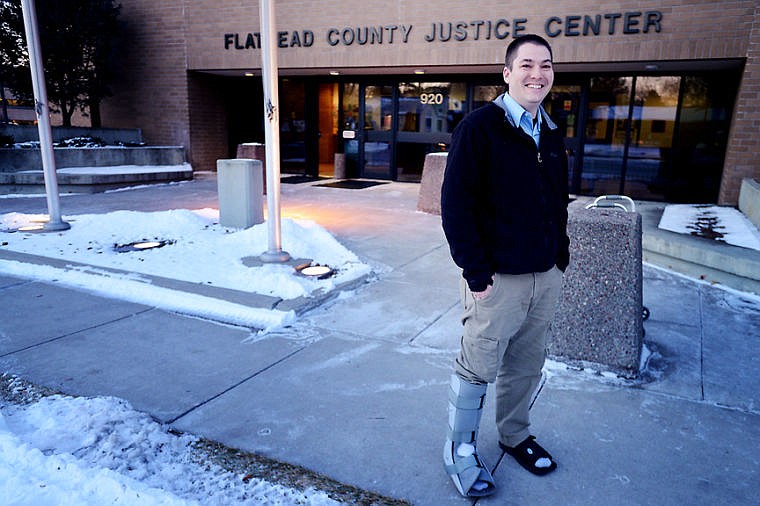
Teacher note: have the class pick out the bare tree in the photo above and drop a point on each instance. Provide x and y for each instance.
(79, 41)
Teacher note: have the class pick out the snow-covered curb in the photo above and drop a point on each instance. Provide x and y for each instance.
(720, 223)
(197, 250)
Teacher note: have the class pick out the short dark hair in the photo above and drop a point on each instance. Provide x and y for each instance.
(528, 38)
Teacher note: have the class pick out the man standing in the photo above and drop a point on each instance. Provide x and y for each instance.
(504, 212)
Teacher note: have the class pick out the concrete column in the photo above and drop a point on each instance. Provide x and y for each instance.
(429, 198)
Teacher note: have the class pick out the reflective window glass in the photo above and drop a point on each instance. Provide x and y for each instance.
(349, 126)
(378, 108)
(702, 137)
(378, 125)
(606, 127)
(482, 94)
(431, 107)
(652, 129)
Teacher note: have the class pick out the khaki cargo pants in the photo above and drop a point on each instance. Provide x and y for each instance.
(504, 342)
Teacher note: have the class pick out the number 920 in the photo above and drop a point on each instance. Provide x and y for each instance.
(431, 98)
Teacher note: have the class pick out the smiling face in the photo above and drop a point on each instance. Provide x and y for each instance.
(530, 76)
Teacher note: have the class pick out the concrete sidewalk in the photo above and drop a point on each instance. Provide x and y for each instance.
(363, 400)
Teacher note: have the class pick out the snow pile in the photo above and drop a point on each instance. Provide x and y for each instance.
(195, 249)
(100, 451)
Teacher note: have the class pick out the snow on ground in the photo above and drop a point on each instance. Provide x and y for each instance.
(66, 450)
(720, 223)
(196, 249)
(63, 450)
(99, 450)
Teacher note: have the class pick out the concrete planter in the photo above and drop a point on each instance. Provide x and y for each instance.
(22, 159)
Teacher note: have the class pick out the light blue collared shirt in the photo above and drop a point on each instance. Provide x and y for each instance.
(522, 117)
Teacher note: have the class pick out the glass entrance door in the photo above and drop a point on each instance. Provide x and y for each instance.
(378, 132)
(327, 128)
(403, 122)
(428, 113)
(350, 132)
(293, 126)
(607, 126)
(651, 141)
(630, 128)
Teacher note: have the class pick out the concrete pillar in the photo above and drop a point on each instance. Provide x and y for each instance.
(429, 198)
(340, 166)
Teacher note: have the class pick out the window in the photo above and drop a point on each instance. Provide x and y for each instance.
(431, 107)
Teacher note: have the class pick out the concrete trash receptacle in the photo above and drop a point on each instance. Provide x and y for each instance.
(255, 151)
(599, 319)
(429, 198)
(241, 188)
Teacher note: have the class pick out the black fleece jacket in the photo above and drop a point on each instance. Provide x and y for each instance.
(504, 201)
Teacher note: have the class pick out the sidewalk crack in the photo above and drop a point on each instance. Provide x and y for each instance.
(411, 261)
(418, 334)
(232, 387)
(63, 336)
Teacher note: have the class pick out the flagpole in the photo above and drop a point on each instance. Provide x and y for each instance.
(43, 118)
(271, 132)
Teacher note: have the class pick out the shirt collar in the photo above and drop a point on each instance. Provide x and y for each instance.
(514, 111)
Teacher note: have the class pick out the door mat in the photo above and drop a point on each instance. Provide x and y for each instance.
(300, 179)
(352, 184)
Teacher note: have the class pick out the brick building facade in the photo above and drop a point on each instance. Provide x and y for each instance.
(658, 99)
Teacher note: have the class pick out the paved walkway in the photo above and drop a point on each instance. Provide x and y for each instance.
(363, 399)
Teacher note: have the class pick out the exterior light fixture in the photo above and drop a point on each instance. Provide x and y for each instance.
(651, 66)
(249, 74)
(140, 246)
(147, 245)
(36, 225)
(315, 271)
(334, 73)
(31, 228)
(419, 72)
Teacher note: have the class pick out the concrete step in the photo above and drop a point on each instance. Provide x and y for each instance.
(14, 159)
(698, 257)
(708, 260)
(93, 179)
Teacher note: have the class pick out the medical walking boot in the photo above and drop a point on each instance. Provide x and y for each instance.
(460, 457)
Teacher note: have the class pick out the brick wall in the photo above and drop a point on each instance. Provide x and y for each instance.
(169, 39)
(742, 160)
(152, 91)
(691, 29)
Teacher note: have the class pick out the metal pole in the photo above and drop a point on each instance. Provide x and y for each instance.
(43, 118)
(271, 131)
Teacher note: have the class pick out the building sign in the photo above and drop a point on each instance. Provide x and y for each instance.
(616, 23)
